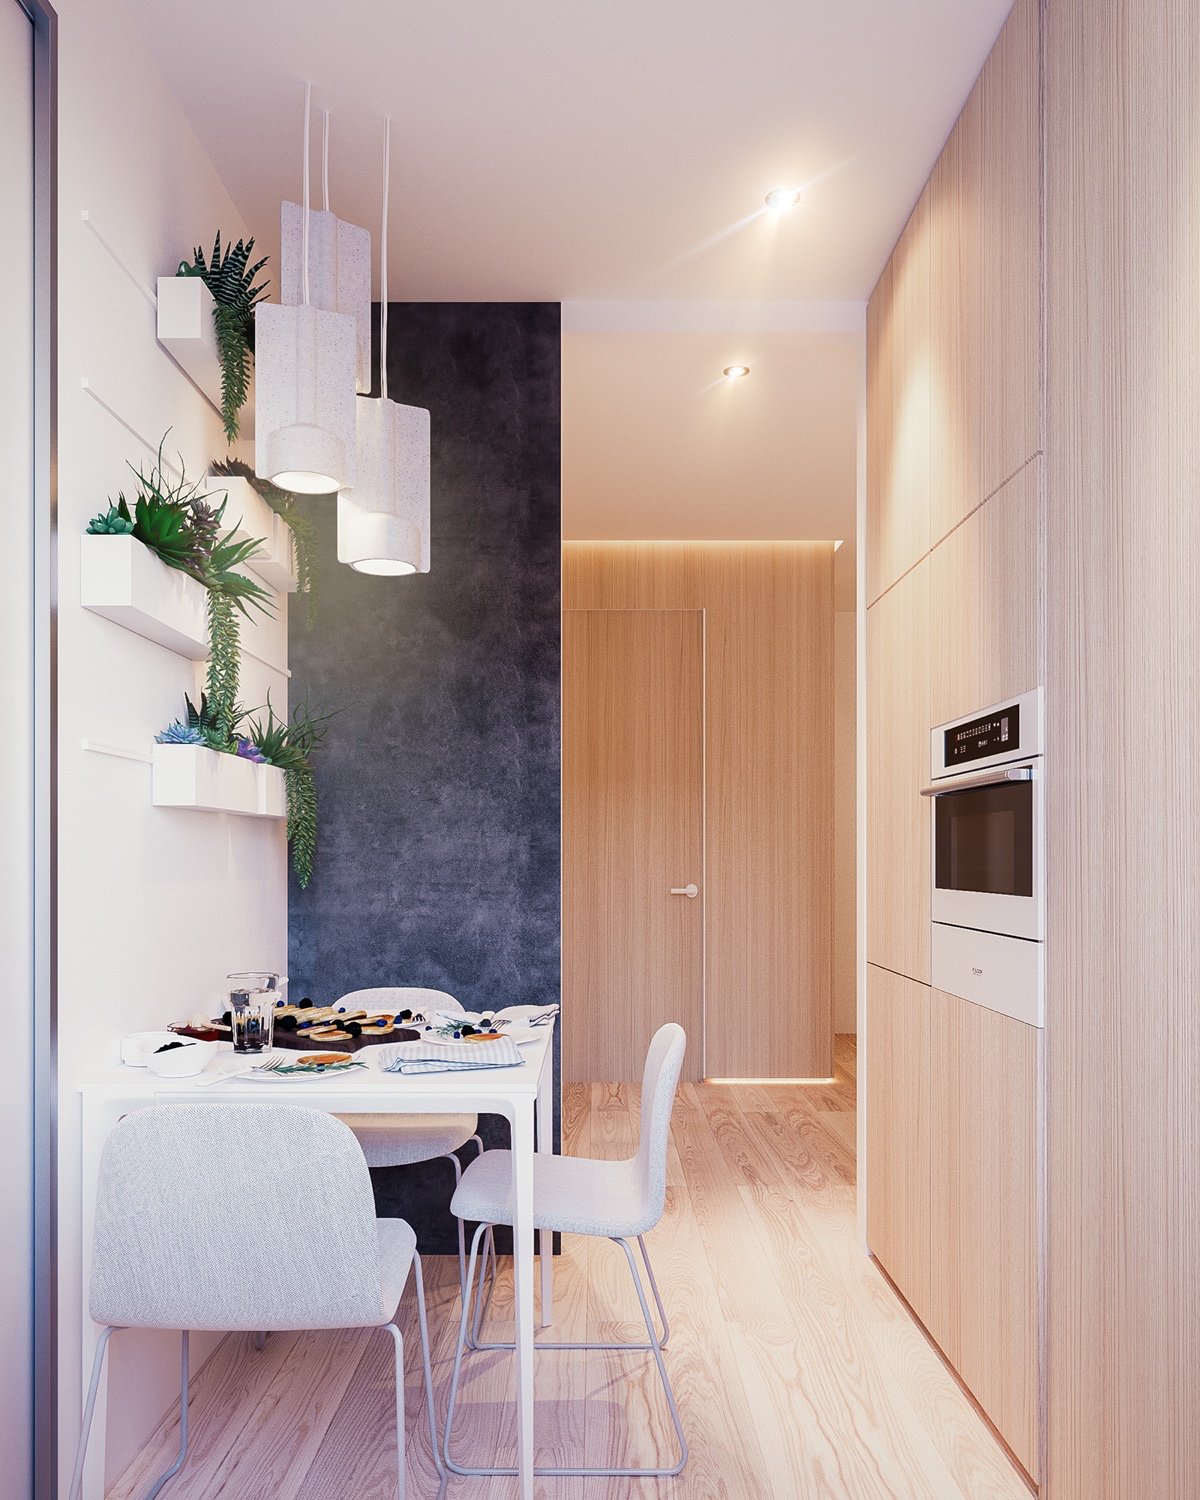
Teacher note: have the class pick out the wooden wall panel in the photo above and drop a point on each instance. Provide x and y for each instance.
(769, 780)
(898, 724)
(1123, 705)
(898, 523)
(632, 828)
(983, 1114)
(1011, 248)
(898, 1084)
(986, 604)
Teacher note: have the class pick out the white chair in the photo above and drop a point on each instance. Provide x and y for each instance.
(244, 1217)
(404, 1140)
(619, 1200)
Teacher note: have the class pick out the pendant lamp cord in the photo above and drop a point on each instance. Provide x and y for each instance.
(304, 231)
(325, 159)
(383, 260)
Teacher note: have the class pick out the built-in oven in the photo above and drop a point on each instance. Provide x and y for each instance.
(987, 902)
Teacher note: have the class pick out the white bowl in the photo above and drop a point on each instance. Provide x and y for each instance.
(135, 1047)
(184, 1061)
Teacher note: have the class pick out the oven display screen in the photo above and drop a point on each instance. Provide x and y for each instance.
(993, 734)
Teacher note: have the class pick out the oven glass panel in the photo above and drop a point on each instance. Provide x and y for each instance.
(984, 839)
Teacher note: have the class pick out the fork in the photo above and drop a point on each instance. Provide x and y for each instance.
(269, 1065)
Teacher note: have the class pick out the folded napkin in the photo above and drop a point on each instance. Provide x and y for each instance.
(449, 1057)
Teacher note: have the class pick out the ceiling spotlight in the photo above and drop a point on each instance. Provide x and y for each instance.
(735, 372)
(782, 198)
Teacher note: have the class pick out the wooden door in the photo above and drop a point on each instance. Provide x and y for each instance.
(633, 828)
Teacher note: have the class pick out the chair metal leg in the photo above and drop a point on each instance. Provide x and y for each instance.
(183, 1423)
(89, 1408)
(474, 1344)
(401, 1465)
(459, 1347)
(654, 1346)
(260, 1341)
(482, 1304)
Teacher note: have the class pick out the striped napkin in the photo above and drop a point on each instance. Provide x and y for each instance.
(449, 1057)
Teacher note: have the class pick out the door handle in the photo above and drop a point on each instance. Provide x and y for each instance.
(690, 891)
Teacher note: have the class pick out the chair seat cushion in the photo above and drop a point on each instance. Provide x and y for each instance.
(397, 1245)
(400, 1140)
(573, 1194)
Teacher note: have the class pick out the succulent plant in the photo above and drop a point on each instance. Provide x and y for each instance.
(230, 279)
(247, 750)
(115, 521)
(179, 734)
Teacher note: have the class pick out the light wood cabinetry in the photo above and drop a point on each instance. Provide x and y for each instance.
(898, 723)
(985, 585)
(1009, 90)
(768, 895)
(1123, 718)
(983, 1211)
(956, 318)
(898, 520)
(898, 1143)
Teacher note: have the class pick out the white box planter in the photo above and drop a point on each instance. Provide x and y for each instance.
(208, 781)
(250, 517)
(124, 581)
(187, 333)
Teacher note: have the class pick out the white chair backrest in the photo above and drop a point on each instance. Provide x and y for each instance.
(660, 1079)
(400, 997)
(235, 1216)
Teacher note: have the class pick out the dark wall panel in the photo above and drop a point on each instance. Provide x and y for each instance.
(438, 785)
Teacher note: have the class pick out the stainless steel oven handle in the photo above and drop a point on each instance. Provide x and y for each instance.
(982, 778)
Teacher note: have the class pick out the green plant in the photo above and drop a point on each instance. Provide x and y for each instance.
(304, 533)
(215, 729)
(224, 663)
(115, 521)
(289, 744)
(230, 278)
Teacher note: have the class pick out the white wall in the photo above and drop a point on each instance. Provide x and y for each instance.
(845, 896)
(16, 747)
(155, 906)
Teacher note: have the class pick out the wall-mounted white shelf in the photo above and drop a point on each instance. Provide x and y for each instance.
(187, 333)
(124, 581)
(250, 517)
(205, 780)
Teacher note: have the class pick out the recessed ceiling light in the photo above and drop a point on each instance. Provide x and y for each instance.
(781, 198)
(735, 372)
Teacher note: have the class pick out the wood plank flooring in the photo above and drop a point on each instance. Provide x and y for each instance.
(799, 1374)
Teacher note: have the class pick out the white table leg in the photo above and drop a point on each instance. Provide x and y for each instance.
(545, 1142)
(98, 1121)
(522, 1167)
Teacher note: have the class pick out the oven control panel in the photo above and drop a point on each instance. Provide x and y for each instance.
(994, 733)
(1006, 731)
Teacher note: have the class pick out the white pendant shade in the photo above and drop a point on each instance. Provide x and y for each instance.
(304, 364)
(383, 524)
(339, 272)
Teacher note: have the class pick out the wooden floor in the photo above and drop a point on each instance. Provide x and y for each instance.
(799, 1373)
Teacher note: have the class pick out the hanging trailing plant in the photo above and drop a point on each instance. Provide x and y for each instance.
(290, 744)
(304, 533)
(230, 278)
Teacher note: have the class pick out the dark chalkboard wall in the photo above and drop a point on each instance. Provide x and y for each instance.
(438, 784)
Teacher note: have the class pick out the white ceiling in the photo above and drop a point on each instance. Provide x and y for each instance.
(617, 152)
(577, 149)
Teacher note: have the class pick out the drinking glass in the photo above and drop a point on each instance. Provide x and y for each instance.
(252, 1002)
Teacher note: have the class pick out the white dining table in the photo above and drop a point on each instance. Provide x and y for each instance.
(523, 1095)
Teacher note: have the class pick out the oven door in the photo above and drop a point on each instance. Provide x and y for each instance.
(987, 851)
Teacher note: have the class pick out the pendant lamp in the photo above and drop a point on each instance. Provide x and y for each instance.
(304, 359)
(339, 264)
(383, 525)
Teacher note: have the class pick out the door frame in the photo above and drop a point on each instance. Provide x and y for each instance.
(44, 21)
